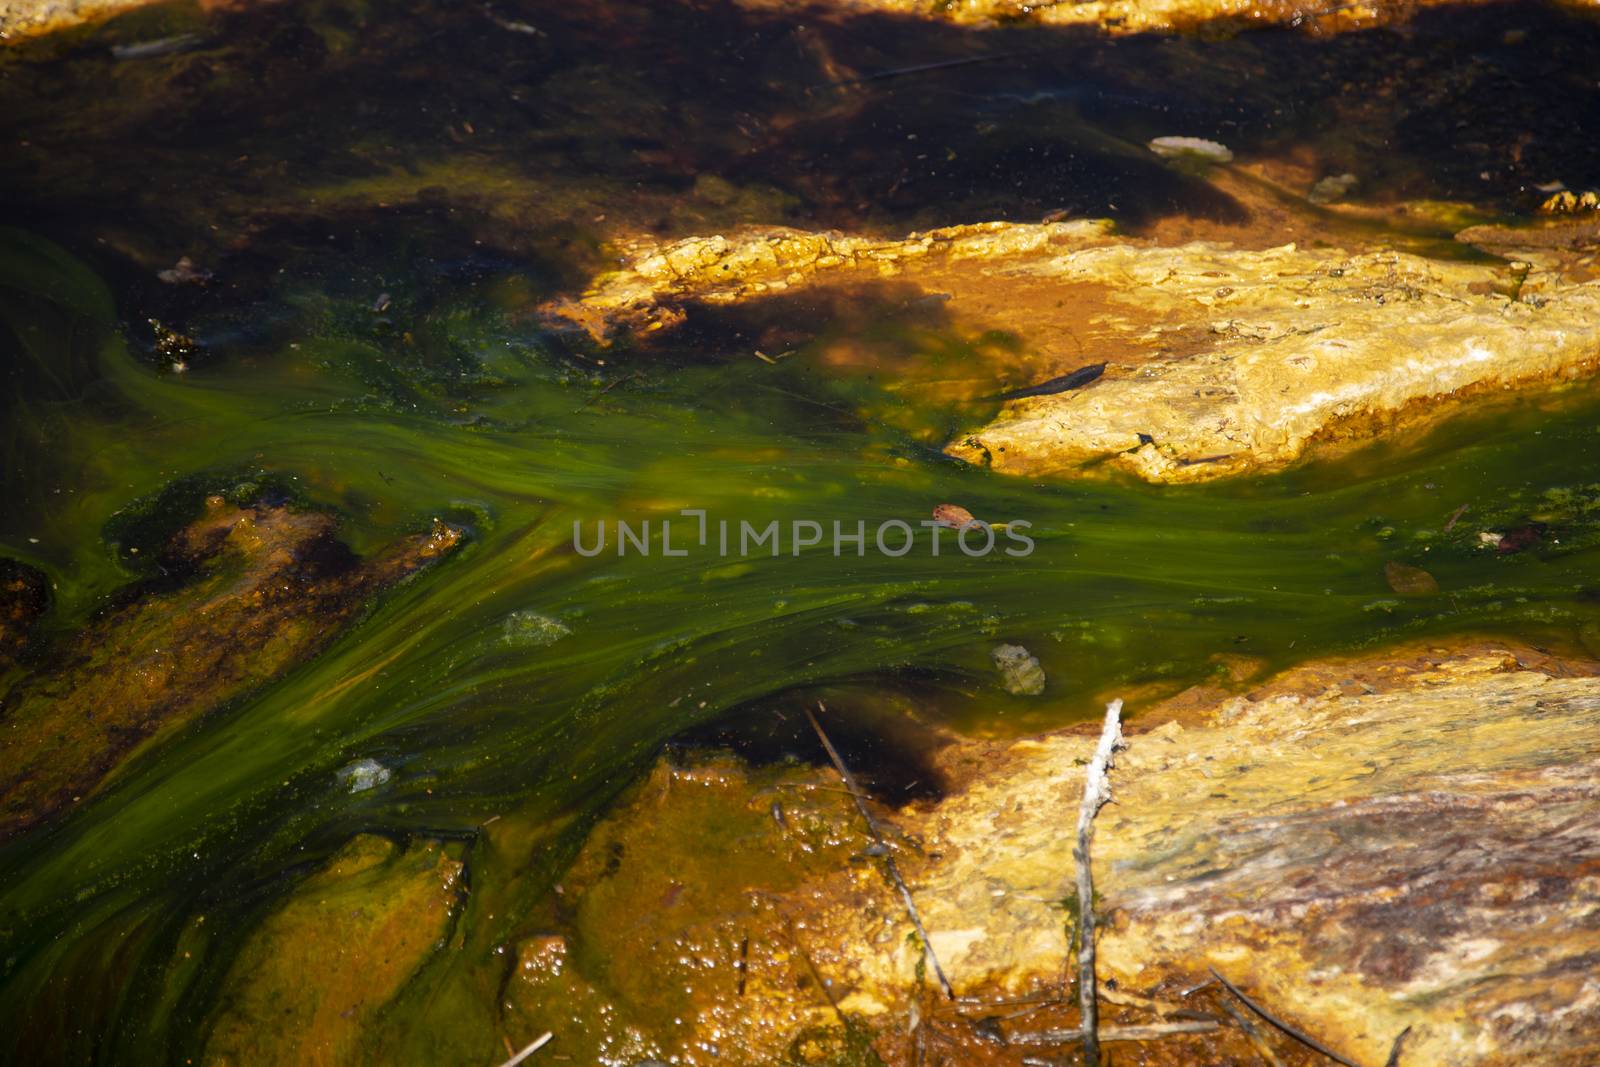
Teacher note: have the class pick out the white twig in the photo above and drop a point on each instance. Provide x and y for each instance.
(538, 1043)
(1096, 792)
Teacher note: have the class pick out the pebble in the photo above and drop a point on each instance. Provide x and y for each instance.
(363, 774)
(1199, 147)
(1019, 670)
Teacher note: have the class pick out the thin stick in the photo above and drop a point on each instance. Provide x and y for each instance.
(1147, 1032)
(538, 1043)
(888, 857)
(1305, 1039)
(923, 68)
(1394, 1050)
(1096, 791)
(1253, 1032)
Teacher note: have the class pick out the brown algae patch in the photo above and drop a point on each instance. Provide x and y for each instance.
(673, 936)
(314, 975)
(270, 587)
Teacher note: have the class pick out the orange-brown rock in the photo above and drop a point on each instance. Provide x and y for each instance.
(270, 587)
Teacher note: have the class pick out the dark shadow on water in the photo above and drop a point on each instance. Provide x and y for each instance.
(535, 132)
(889, 751)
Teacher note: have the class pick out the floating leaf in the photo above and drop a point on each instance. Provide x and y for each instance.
(1408, 580)
(953, 515)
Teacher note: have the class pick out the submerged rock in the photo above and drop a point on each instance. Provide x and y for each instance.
(314, 975)
(1192, 147)
(269, 587)
(363, 774)
(530, 629)
(1020, 672)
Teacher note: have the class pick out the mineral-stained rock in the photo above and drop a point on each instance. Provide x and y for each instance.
(687, 878)
(271, 587)
(1363, 845)
(1305, 346)
(1221, 360)
(648, 292)
(316, 971)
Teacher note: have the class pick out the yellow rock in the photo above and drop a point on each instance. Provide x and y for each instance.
(1221, 360)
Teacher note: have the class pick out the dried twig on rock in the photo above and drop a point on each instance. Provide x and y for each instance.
(889, 864)
(1096, 791)
(1400, 1038)
(1305, 1039)
(1147, 1032)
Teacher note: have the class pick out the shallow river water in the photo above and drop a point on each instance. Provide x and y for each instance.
(384, 194)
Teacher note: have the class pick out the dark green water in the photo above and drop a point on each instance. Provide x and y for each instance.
(454, 403)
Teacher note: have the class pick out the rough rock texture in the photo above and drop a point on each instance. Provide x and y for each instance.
(1362, 845)
(1220, 360)
(1426, 854)
(357, 929)
(270, 587)
(649, 291)
(1304, 345)
(28, 18)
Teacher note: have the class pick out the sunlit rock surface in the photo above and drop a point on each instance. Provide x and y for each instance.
(1363, 845)
(317, 971)
(266, 588)
(1220, 360)
(26, 18)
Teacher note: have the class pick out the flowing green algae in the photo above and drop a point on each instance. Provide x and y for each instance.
(444, 685)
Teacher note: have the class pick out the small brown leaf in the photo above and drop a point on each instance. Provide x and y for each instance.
(953, 515)
(1408, 580)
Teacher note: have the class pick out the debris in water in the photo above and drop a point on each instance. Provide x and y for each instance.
(1408, 580)
(1065, 383)
(529, 629)
(1195, 147)
(1567, 202)
(1520, 539)
(164, 46)
(1333, 187)
(1019, 669)
(363, 774)
(184, 272)
(953, 515)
